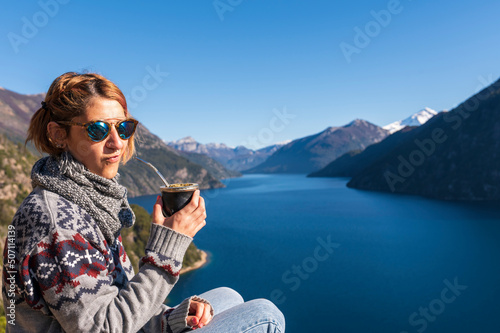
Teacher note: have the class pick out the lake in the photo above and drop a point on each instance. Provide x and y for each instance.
(336, 259)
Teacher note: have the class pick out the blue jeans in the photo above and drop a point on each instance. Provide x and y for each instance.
(233, 315)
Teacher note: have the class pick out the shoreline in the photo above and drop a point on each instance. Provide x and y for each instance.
(198, 264)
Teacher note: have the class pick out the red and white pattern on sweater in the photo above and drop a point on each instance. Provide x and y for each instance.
(164, 262)
(63, 258)
(59, 266)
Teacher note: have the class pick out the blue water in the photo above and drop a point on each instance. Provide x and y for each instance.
(393, 257)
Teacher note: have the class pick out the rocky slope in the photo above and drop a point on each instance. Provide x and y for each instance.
(15, 184)
(16, 111)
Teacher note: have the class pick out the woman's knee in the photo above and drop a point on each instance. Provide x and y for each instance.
(225, 293)
(229, 295)
(222, 298)
(268, 311)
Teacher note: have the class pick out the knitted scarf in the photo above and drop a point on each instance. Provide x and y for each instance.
(104, 199)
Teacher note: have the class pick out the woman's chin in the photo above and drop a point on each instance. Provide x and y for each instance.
(108, 171)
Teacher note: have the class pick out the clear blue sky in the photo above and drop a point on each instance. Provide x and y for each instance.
(231, 69)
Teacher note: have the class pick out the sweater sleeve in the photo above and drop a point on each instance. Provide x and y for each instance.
(173, 319)
(70, 276)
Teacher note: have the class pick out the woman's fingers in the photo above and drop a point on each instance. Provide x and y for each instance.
(201, 216)
(193, 204)
(201, 212)
(158, 217)
(192, 321)
(199, 226)
(189, 220)
(196, 309)
(207, 316)
(199, 314)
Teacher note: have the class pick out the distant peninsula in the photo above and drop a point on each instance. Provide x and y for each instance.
(197, 264)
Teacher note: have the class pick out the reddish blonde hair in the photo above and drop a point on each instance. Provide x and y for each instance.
(68, 97)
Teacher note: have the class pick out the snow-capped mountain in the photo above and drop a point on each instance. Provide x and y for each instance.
(417, 119)
(233, 158)
(188, 144)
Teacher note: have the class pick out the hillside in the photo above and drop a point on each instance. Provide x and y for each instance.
(15, 183)
(15, 113)
(454, 156)
(314, 152)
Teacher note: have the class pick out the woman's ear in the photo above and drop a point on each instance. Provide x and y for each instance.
(56, 135)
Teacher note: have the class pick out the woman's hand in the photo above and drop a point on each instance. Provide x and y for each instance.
(188, 221)
(199, 314)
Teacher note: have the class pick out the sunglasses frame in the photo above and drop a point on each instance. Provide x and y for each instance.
(86, 126)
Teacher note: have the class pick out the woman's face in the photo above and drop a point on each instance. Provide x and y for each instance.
(102, 158)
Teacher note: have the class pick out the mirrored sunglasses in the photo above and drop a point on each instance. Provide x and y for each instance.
(99, 130)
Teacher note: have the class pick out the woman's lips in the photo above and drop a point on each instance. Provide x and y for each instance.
(113, 159)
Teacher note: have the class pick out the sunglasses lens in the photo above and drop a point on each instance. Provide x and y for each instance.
(97, 131)
(126, 129)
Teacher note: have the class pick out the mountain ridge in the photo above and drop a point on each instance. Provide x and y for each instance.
(313, 152)
(237, 158)
(355, 161)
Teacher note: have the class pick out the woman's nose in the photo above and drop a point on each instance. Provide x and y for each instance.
(114, 141)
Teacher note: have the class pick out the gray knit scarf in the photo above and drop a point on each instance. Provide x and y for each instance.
(104, 199)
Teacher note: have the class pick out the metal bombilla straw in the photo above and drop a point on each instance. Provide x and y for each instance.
(155, 169)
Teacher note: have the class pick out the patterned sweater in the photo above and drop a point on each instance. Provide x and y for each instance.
(60, 275)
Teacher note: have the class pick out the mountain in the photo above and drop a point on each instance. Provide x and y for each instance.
(141, 179)
(454, 156)
(218, 151)
(314, 152)
(16, 111)
(244, 160)
(355, 161)
(239, 158)
(416, 119)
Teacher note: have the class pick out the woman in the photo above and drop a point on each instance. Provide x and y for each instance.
(70, 271)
